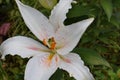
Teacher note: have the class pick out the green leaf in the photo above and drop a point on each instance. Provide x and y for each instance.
(78, 11)
(3, 75)
(108, 7)
(0, 1)
(48, 4)
(91, 57)
(115, 21)
(58, 75)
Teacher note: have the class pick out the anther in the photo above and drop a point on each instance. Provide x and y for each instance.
(52, 43)
(44, 42)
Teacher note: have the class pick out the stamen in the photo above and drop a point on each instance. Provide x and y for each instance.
(44, 42)
(52, 43)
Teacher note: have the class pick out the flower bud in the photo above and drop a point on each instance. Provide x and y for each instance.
(49, 4)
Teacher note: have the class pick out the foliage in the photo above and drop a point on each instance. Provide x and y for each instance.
(99, 47)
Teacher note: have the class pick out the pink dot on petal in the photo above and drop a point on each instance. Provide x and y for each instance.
(67, 60)
(34, 48)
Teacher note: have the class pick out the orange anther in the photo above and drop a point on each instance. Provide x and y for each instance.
(52, 44)
(44, 42)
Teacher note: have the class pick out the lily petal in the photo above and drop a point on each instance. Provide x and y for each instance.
(58, 14)
(41, 70)
(75, 67)
(22, 46)
(68, 37)
(36, 21)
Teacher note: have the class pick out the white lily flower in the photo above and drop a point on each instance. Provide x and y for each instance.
(58, 40)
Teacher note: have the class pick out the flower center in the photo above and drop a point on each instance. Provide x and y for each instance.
(51, 44)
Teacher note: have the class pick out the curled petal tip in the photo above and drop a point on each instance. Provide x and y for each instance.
(92, 19)
(75, 2)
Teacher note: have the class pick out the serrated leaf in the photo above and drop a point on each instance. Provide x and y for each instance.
(91, 57)
(108, 7)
